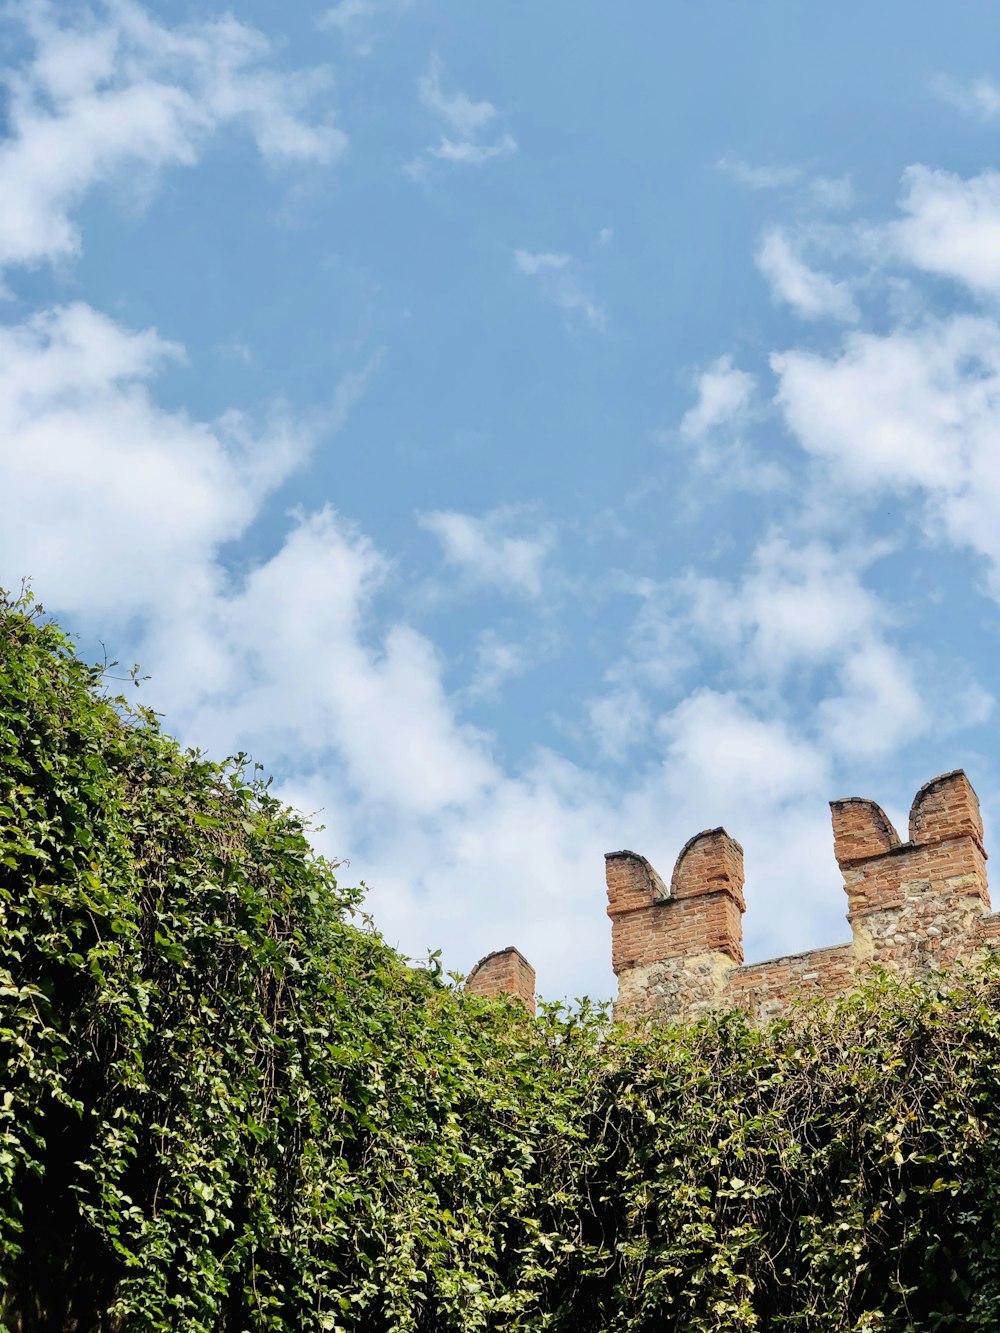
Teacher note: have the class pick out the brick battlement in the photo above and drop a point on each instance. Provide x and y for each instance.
(504, 972)
(915, 906)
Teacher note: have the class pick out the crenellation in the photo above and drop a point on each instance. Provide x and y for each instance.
(944, 808)
(693, 928)
(861, 830)
(917, 907)
(710, 862)
(632, 881)
(504, 972)
(913, 906)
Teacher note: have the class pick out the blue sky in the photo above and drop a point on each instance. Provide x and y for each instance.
(530, 430)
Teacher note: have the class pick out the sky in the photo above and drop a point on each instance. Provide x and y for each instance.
(529, 430)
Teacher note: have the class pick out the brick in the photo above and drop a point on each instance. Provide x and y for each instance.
(505, 972)
(913, 906)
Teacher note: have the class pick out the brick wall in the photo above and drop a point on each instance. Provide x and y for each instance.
(505, 972)
(677, 950)
(914, 906)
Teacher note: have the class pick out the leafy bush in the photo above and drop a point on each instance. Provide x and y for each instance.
(228, 1105)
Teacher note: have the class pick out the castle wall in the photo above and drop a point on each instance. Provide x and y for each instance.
(765, 988)
(914, 906)
(917, 907)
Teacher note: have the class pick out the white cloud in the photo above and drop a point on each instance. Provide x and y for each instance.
(795, 605)
(104, 95)
(497, 661)
(915, 411)
(236, 351)
(805, 607)
(717, 429)
(911, 411)
(559, 279)
(798, 616)
(719, 745)
(349, 14)
(832, 192)
(657, 647)
(463, 116)
(759, 178)
(880, 707)
(620, 720)
(358, 21)
(951, 226)
(980, 97)
(487, 553)
(811, 294)
(108, 498)
(466, 123)
(725, 395)
(466, 153)
(948, 225)
(525, 262)
(299, 617)
(829, 192)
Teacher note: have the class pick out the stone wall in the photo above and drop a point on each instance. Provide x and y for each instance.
(914, 906)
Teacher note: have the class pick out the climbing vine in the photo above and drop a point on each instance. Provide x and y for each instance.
(226, 1104)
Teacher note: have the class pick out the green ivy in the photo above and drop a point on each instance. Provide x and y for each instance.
(227, 1105)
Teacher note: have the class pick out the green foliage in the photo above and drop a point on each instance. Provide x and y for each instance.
(226, 1104)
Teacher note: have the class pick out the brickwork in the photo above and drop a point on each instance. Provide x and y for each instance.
(914, 906)
(505, 972)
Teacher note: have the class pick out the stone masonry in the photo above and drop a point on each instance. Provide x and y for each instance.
(916, 906)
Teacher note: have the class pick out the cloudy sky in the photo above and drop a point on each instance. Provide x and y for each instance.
(530, 429)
